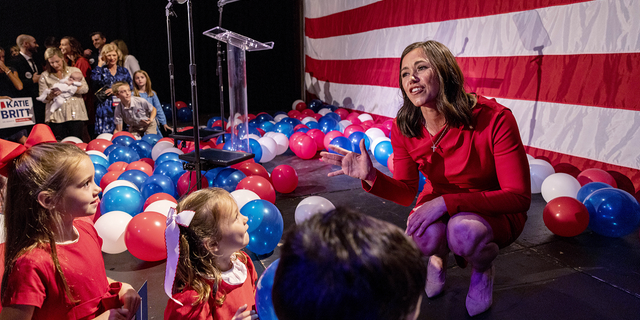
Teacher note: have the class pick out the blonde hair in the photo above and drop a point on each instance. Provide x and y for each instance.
(197, 267)
(147, 86)
(123, 50)
(46, 167)
(50, 53)
(109, 47)
(116, 86)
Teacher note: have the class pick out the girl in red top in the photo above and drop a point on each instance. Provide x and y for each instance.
(53, 262)
(207, 276)
(468, 147)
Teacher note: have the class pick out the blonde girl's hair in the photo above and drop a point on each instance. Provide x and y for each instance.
(109, 47)
(46, 167)
(147, 87)
(197, 267)
(48, 54)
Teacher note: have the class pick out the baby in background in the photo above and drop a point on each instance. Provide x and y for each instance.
(67, 86)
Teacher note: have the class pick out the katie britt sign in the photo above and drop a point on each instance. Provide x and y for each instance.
(16, 112)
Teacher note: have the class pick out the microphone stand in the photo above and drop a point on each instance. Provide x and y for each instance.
(172, 86)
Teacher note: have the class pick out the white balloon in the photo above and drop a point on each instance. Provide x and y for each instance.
(254, 136)
(310, 206)
(374, 133)
(324, 111)
(375, 142)
(73, 139)
(365, 117)
(242, 196)
(270, 134)
(269, 148)
(158, 148)
(530, 157)
(343, 124)
(560, 185)
(307, 119)
(111, 227)
(97, 153)
(279, 117)
(105, 136)
(539, 171)
(295, 103)
(161, 206)
(170, 149)
(119, 183)
(282, 142)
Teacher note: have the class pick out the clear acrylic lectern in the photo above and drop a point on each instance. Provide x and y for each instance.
(237, 70)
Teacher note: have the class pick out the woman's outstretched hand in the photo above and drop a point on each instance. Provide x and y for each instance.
(353, 164)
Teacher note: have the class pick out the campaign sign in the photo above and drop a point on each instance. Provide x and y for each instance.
(16, 112)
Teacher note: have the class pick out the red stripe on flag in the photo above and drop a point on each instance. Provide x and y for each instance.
(603, 80)
(628, 179)
(396, 13)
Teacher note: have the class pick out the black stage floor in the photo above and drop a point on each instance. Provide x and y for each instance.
(540, 276)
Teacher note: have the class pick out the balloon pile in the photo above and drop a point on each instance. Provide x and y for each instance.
(590, 200)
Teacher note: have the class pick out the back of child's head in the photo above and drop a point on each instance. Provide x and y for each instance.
(47, 167)
(346, 265)
(196, 266)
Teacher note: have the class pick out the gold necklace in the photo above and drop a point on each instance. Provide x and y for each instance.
(435, 144)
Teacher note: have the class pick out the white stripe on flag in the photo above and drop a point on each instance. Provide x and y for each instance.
(321, 8)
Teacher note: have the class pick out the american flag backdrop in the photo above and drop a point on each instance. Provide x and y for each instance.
(568, 69)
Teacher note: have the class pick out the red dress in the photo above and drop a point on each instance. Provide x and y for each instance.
(483, 170)
(236, 296)
(34, 280)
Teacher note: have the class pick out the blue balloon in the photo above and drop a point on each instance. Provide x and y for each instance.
(267, 126)
(151, 139)
(264, 117)
(266, 224)
(333, 115)
(100, 170)
(313, 125)
(341, 142)
(285, 128)
(123, 140)
(122, 198)
(168, 112)
(315, 105)
(167, 156)
(355, 141)
(264, 303)
(612, 212)
(171, 169)
(422, 182)
(122, 153)
(110, 148)
(256, 149)
(99, 160)
(382, 152)
(136, 177)
(212, 174)
(211, 121)
(141, 147)
(226, 137)
(185, 115)
(590, 187)
(292, 121)
(158, 183)
(303, 129)
(328, 124)
(229, 178)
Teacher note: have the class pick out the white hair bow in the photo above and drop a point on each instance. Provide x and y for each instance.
(172, 240)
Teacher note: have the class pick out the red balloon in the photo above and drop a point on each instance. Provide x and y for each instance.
(317, 116)
(251, 116)
(285, 178)
(293, 113)
(218, 123)
(262, 132)
(308, 112)
(343, 113)
(144, 236)
(167, 139)
(261, 186)
(390, 164)
(306, 147)
(566, 216)
(109, 177)
(301, 106)
(159, 196)
(300, 126)
(82, 146)
(596, 175)
(388, 124)
(98, 145)
(122, 133)
(148, 161)
(383, 128)
(330, 136)
(253, 169)
(180, 105)
(353, 117)
(188, 184)
(294, 136)
(318, 137)
(118, 166)
(351, 129)
(140, 165)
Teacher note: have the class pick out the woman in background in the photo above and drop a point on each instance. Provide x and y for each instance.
(104, 76)
(126, 60)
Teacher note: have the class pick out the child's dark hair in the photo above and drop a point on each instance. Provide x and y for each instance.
(346, 265)
(46, 167)
(197, 267)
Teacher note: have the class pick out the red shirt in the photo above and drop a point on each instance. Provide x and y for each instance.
(236, 296)
(34, 279)
(482, 170)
